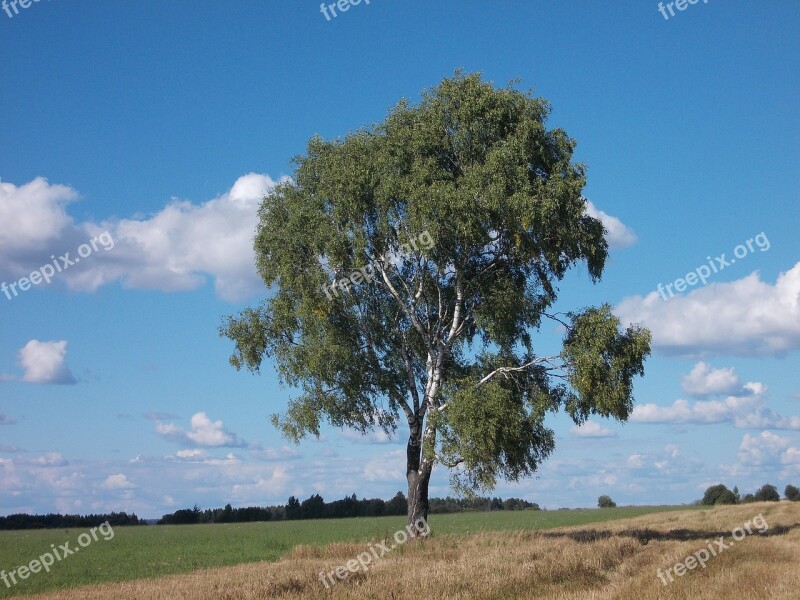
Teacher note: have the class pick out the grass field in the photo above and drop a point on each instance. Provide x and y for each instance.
(610, 560)
(148, 552)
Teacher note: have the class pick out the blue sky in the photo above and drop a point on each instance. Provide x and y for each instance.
(163, 123)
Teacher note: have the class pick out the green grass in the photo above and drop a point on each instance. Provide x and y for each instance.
(140, 552)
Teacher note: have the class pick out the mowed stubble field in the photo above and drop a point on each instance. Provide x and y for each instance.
(582, 555)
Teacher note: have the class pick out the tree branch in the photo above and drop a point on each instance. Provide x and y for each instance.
(504, 370)
(449, 464)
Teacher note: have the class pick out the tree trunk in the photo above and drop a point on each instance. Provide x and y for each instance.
(418, 475)
(418, 506)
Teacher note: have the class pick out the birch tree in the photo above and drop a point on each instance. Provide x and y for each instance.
(411, 269)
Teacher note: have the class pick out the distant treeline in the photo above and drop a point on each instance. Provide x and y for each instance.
(54, 521)
(315, 507)
(452, 505)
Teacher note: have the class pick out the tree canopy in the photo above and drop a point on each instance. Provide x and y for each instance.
(767, 493)
(719, 494)
(409, 266)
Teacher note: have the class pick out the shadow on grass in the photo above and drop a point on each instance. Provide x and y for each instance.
(646, 535)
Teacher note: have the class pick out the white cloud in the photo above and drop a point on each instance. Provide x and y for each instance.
(117, 482)
(32, 215)
(45, 362)
(591, 429)
(46, 483)
(390, 467)
(6, 420)
(703, 380)
(199, 456)
(203, 432)
(191, 454)
(619, 235)
(636, 461)
(261, 485)
(176, 249)
(50, 459)
(595, 481)
(766, 449)
(791, 456)
(745, 318)
(665, 465)
(746, 411)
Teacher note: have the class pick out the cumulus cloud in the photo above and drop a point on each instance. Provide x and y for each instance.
(6, 420)
(47, 483)
(747, 317)
(767, 449)
(791, 456)
(190, 454)
(175, 249)
(32, 215)
(619, 235)
(117, 481)
(664, 465)
(203, 432)
(46, 362)
(746, 411)
(591, 429)
(262, 485)
(200, 457)
(704, 380)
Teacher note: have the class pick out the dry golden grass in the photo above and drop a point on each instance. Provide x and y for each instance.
(552, 565)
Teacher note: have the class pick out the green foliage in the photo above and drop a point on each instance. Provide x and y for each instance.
(493, 432)
(718, 494)
(443, 336)
(792, 493)
(606, 502)
(767, 493)
(602, 362)
(293, 510)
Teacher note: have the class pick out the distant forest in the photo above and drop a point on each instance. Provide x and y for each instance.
(55, 521)
(313, 507)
